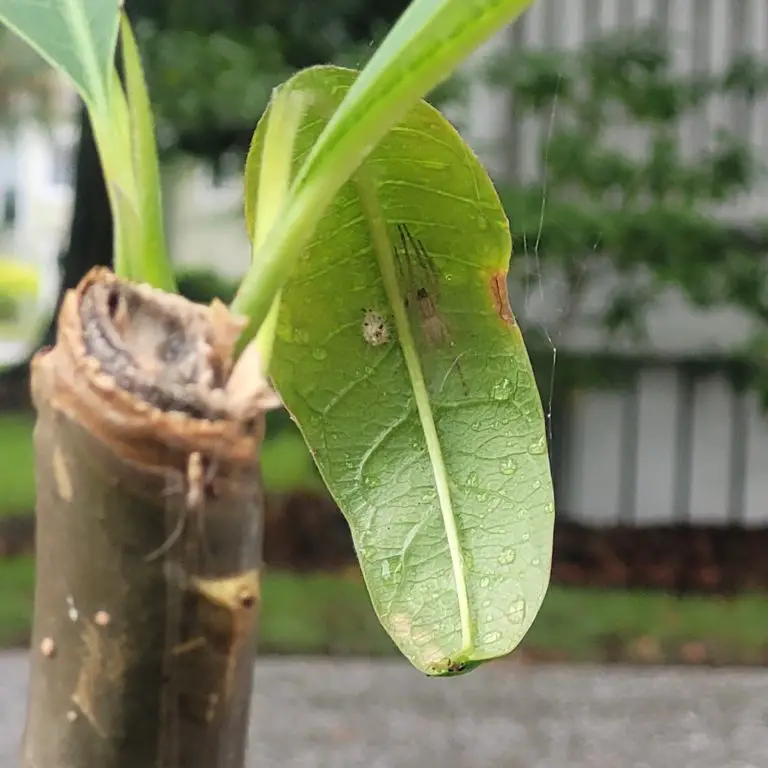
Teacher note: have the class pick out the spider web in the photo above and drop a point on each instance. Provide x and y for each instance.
(534, 279)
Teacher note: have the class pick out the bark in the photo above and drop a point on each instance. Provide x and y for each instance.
(149, 512)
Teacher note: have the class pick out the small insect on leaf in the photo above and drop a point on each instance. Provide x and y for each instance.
(375, 328)
(452, 668)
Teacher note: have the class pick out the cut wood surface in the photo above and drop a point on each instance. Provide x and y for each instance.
(149, 525)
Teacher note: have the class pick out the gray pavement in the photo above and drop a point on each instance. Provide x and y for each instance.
(373, 714)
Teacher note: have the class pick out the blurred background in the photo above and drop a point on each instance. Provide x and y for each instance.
(628, 140)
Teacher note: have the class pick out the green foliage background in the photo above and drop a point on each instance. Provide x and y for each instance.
(647, 216)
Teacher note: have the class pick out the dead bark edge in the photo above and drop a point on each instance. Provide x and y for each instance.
(149, 524)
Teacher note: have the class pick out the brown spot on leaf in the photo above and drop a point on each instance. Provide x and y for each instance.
(498, 286)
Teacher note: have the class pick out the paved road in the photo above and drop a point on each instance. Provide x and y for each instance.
(359, 714)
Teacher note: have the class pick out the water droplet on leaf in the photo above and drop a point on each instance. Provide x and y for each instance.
(507, 557)
(319, 353)
(491, 637)
(300, 336)
(509, 466)
(502, 389)
(485, 581)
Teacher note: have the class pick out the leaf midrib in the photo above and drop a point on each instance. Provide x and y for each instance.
(383, 250)
(78, 23)
(93, 91)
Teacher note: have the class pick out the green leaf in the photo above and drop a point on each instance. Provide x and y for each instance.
(77, 37)
(424, 419)
(151, 259)
(429, 40)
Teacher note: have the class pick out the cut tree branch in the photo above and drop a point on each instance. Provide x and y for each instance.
(149, 522)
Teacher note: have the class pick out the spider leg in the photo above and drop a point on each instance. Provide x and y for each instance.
(432, 271)
(462, 378)
(405, 264)
(428, 272)
(426, 262)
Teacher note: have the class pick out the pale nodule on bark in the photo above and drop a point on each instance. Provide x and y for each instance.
(146, 442)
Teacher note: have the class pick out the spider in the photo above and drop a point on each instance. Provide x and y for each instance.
(422, 280)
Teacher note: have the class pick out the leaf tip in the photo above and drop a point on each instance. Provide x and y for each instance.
(452, 667)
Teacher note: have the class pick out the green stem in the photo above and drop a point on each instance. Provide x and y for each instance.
(132, 107)
(278, 254)
(426, 44)
(111, 143)
(383, 248)
(124, 134)
(287, 110)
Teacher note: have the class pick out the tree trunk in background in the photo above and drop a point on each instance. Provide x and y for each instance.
(90, 245)
(149, 511)
(90, 235)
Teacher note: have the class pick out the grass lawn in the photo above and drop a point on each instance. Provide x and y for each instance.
(327, 614)
(17, 466)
